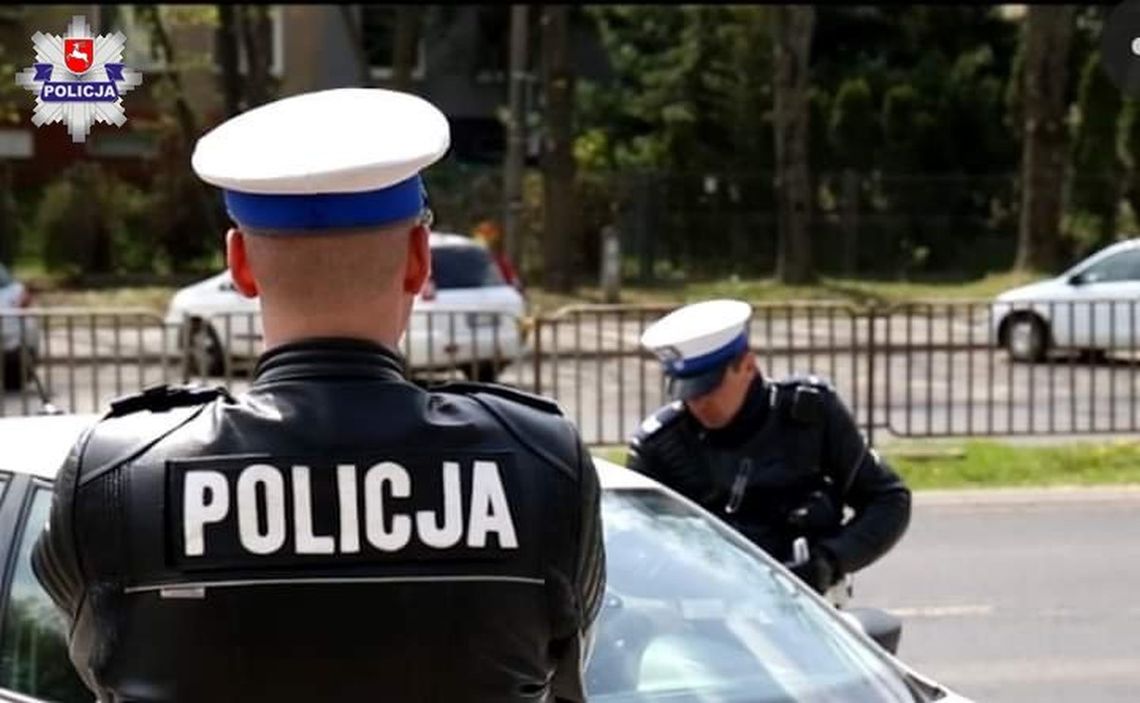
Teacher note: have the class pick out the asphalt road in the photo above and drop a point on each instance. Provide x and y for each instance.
(1019, 596)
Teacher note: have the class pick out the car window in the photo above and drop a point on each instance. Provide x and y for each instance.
(692, 613)
(5, 278)
(33, 645)
(463, 267)
(1124, 266)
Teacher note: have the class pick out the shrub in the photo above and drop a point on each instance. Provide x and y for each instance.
(90, 222)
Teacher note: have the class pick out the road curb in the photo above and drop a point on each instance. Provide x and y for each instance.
(1028, 496)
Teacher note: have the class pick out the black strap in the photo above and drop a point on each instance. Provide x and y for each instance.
(164, 397)
(139, 449)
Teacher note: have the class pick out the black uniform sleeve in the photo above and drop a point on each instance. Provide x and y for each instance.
(639, 458)
(579, 587)
(657, 432)
(54, 559)
(592, 557)
(879, 498)
(590, 585)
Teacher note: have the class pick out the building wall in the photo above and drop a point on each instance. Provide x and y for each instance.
(316, 53)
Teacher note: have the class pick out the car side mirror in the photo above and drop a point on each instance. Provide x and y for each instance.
(1077, 279)
(227, 286)
(879, 625)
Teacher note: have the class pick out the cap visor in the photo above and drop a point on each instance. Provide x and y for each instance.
(691, 387)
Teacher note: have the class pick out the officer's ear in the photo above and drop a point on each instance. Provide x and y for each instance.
(745, 363)
(418, 269)
(238, 262)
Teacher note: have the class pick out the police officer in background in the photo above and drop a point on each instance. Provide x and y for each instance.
(778, 460)
(336, 532)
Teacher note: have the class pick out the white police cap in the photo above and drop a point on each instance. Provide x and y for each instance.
(695, 344)
(349, 157)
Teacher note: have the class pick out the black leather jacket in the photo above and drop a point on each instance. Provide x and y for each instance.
(784, 467)
(336, 533)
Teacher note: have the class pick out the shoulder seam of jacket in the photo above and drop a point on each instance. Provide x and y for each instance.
(522, 439)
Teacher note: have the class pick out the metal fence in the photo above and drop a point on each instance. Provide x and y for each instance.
(922, 369)
(78, 360)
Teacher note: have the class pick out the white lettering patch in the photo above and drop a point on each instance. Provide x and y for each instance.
(231, 511)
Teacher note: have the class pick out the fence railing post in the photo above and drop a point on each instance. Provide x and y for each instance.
(872, 352)
(538, 354)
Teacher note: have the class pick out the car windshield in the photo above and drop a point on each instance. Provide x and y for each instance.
(693, 614)
(463, 267)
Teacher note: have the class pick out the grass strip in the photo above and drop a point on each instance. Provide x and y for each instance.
(995, 464)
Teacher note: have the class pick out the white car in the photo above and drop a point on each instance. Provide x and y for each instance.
(1094, 306)
(467, 317)
(692, 611)
(19, 335)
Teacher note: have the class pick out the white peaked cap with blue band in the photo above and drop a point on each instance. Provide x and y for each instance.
(695, 344)
(333, 159)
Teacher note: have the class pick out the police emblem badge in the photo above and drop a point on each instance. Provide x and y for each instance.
(79, 79)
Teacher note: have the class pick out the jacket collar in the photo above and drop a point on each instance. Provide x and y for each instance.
(329, 357)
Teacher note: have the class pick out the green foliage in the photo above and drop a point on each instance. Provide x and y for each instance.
(854, 127)
(690, 86)
(914, 100)
(1128, 140)
(91, 222)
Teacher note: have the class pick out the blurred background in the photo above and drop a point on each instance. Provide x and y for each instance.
(881, 142)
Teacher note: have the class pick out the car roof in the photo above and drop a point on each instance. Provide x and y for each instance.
(1116, 247)
(38, 444)
(448, 239)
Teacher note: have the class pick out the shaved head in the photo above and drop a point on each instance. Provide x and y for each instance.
(312, 272)
(332, 282)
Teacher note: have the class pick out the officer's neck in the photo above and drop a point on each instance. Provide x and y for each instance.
(281, 327)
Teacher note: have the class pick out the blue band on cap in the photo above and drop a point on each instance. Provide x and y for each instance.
(328, 210)
(684, 368)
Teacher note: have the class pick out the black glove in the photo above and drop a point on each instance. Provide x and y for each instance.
(815, 516)
(819, 571)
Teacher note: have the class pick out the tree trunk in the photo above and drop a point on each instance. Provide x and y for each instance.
(516, 136)
(850, 223)
(406, 45)
(793, 29)
(228, 59)
(1047, 35)
(185, 115)
(107, 16)
(559, 220)
(9, 231)
(257, 36)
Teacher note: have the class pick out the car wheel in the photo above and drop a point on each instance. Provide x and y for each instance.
(204, 353)
(483, 371)
(17, 370)
(1026, 339)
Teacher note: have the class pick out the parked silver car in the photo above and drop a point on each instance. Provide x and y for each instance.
(1094, 306)
(693, 611)
(467, 317)
(19, 335)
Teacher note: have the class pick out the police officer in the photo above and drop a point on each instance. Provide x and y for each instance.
(777, 460)
(336, 532)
